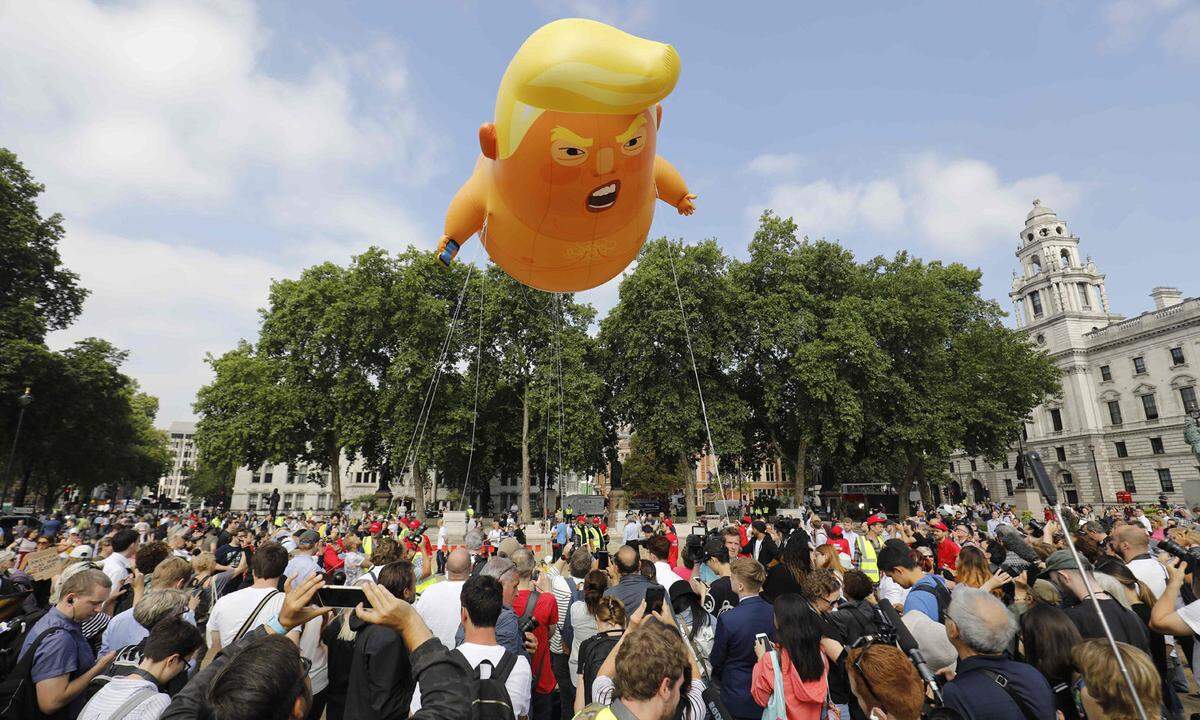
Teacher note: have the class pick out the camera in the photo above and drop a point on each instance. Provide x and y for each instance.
(1036, 526)
(694, 552)
(1189, 556)
(527, 624)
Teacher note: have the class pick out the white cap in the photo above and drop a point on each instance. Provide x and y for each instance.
(82, 551)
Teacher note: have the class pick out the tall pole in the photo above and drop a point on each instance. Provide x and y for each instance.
(24, 401)
(1096, 469)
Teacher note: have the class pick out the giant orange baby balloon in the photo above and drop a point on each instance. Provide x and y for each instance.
(564, 191)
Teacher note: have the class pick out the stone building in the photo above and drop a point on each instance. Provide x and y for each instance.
(183, 457)
(1127, 384)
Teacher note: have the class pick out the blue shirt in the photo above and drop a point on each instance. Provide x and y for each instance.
(925, 602)
(560, 533)
(123, 631)
(65, 652)
(977, 697)
(300, 567)
(51, 527)
(733, 657)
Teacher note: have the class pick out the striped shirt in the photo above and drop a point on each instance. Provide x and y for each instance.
(114, 694)
(562, 596)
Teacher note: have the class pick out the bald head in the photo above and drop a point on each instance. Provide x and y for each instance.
(627, 560)
(1131, 541)
(458, 565)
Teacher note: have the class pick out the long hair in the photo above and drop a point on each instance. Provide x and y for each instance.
(594, 585)
(1122, 574)
(1048, 635)
(691, 602)
(798, 628)
(795, 556)
(972, 569)
(827, 556)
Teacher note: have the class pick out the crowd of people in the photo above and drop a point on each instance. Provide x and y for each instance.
(235, 616)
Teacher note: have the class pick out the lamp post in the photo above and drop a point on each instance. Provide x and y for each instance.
(1096, 469)
(23, 401)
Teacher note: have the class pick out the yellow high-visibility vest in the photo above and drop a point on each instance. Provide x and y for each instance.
(868, 558)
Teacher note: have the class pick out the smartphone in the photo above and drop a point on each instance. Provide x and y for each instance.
(602, 559)
(654, 598)
(763, 640)
(342, 596)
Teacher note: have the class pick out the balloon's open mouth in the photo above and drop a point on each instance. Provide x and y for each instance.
(603, 197)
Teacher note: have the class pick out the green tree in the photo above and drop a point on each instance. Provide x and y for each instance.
(37, 294)
(808, 355)
(648, 366)
(643, 474)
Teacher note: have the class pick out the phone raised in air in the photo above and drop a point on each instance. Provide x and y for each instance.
(763, 640)
(342, 596)
(654, 598)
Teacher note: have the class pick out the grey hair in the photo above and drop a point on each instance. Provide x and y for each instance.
(984, 624)
(160, 604)
(473, 541)
(499, 568)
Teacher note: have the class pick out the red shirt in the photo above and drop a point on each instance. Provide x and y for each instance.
(673, 556)
(546, 613)
(947, 552)
(841, 543)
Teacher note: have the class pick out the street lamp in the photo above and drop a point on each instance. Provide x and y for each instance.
(23, 401)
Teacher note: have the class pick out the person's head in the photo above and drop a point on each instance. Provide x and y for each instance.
(1131, 541)
(1136, 591)
(594, 585)
(898, 564)
(822, 589)
(611, 612)
(977, 623)
(82, 594)
(972, 567)
(308, 542)
(798, 630)
(158, 605)
(1047, 635)
(650, 669)
(733, 541)
(458, 564)
(104, 548)
(386, 550)
(827, 557)
(627, 561)
(269, 561)
(881, 676)
(1105, 693)
(759, 529)
(482, 598)
(525, 564)
(268, 680)
(646, 568)
(170, 644)
(125, 542)
(203, 563)
(582, 563)
(856, 586)
(174, 572)
(746, 576)
(659, 548)
(503, 570)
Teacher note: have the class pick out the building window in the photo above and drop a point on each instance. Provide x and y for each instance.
(1035, 300)
(1061, 454)
(1139, 365)
(1084, 299)
(1122, 451)
(1150, 407)
(254, 477)
(1105, 373)
(1164, 480)
(1056, 419)
(1177, 356)
(287, 501)
(1065, 255)
(1127, 478)
(1005, 466)
(1068, 479)
(1114, 411)
(268, 476)
(1188, 395)
(1156, 446)
(972, 464)
(290, 478)
(951, 467)
(770, 474)
(1008, 487)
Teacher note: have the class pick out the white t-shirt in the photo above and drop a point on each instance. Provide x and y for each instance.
(890, 590)
(441, 541)
(518, 683)
(116, 567)
(230, 611)
(633, 531)
(312, 648)
(664, 575)
(117, 691)
(440, 607)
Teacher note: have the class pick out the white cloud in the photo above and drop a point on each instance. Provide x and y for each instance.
(775, 163)
(171, 303)
(628, 15)
(961, 205)
(1182, 36)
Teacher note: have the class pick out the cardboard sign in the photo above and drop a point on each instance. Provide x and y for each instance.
(43, 564)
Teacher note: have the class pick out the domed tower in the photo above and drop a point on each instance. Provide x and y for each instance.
(1057, 295)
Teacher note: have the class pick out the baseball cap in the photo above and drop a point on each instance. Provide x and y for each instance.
(835, 531)
(1061, 560)
(581, 519)
(308, 538)
(939, 525)
(759, 525)
(376, 527)
(876, 520)
(82, 551)
(508, 546)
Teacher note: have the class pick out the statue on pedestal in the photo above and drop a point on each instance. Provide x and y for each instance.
(1191, 434)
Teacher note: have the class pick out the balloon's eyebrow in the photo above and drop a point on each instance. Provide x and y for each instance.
(561, 133)
(633, 128)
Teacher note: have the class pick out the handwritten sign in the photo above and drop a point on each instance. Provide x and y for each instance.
(43, 564)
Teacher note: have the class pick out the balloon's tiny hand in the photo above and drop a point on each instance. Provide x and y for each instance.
(685, 206)
(447, 249)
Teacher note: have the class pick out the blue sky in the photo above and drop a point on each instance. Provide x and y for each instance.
(199, 149)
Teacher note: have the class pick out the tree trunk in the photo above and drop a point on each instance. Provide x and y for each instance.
(526, 515)
(926, 491)
(22, 486)
(799, 479)
(418, 477)
(335, 476)
(911, 471)
(433, 498)
(689, 487)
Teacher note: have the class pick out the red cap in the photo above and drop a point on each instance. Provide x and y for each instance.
(836, 531)
(414, 524)
(596, 520)
(876, 519)
(581, 519)
(938, 524)
(746, 519)
(376, 527)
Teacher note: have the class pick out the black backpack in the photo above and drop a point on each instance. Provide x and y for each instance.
(18, 697)
(941, 593)
(489, 695)
(592, 654)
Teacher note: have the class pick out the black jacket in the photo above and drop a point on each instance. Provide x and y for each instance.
(769, 552)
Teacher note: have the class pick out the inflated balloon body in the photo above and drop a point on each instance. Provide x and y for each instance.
(568, 177)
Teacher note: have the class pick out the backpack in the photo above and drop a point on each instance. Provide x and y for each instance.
(592, 654)
(489, 695)
(940, 592)
(567, 631)
(18, 697)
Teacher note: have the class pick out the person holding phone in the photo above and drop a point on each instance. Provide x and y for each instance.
(801, 663)
(733, 655)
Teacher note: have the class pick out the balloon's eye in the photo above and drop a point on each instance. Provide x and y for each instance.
(572, 151)
(632, 142)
